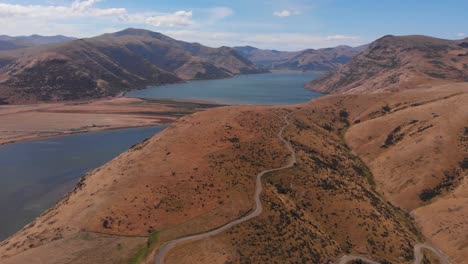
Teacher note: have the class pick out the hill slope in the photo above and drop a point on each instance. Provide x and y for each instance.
(394, 63)
(111, 63)
(159, 186)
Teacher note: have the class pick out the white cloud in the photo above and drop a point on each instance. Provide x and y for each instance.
(179, 18)
(17, 17)
(284, 13)
(461, 34)
(76, 9)
(280, 41)
(220, 12)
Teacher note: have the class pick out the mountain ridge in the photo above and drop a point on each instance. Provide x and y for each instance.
(324, 59)
(110, 64)
(20, 42)
(394, 63)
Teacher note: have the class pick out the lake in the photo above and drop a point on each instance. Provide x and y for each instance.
(35, 174)
(263, 89)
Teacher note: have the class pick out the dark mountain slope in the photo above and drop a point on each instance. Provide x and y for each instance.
(109, 64)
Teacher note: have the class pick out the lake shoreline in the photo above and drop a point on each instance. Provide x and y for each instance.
(55, 166)
(274, 88)
(23, 123)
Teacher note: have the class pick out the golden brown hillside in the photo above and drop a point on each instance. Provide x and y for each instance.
(418, 153)
(327, 205)
(398, 63)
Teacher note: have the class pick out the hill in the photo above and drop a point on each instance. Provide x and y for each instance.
(375, 175)
(158, 191)
(395, 63)
(110, 64)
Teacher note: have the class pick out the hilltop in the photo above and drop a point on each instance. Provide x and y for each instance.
(396, 63)
(110, 64)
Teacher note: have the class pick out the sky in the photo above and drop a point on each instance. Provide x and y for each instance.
(268, 24)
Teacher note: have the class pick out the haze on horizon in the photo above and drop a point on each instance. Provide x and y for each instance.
(275, 24)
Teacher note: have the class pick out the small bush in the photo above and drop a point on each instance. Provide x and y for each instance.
(464, 164)
(344, 114)
(428, 194)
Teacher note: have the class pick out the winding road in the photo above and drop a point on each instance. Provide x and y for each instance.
(418, 256)
(162, 251)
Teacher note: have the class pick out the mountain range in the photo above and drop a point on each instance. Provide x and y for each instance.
(12, 43)
(307, 60)
(109, 64)
(378, 167)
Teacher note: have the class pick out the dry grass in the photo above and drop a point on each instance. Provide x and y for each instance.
(25, 122)
(199, 174)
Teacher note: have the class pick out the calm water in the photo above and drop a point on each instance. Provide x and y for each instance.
(265, 89)
(35, 174)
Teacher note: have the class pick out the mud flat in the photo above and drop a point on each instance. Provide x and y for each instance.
(27, 122)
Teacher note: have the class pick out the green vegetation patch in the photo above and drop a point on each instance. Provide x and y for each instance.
(144, 251)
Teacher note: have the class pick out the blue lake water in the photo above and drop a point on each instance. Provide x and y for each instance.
(35, 174)
(263, 89)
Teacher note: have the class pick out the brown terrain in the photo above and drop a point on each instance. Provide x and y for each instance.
(376, 174)
(24, 122)
(325, 206)
(397, 63)
(110, 64)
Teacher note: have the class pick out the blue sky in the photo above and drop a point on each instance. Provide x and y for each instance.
(274, 24)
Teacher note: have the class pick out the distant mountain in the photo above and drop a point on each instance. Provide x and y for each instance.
(307, 60)
(265, 58)
(394, 63)
(112, 63)
(12, 43)
(326, 59)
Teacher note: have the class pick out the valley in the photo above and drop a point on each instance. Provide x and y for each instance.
(295, 200)
(165, 151)
(45, 128)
